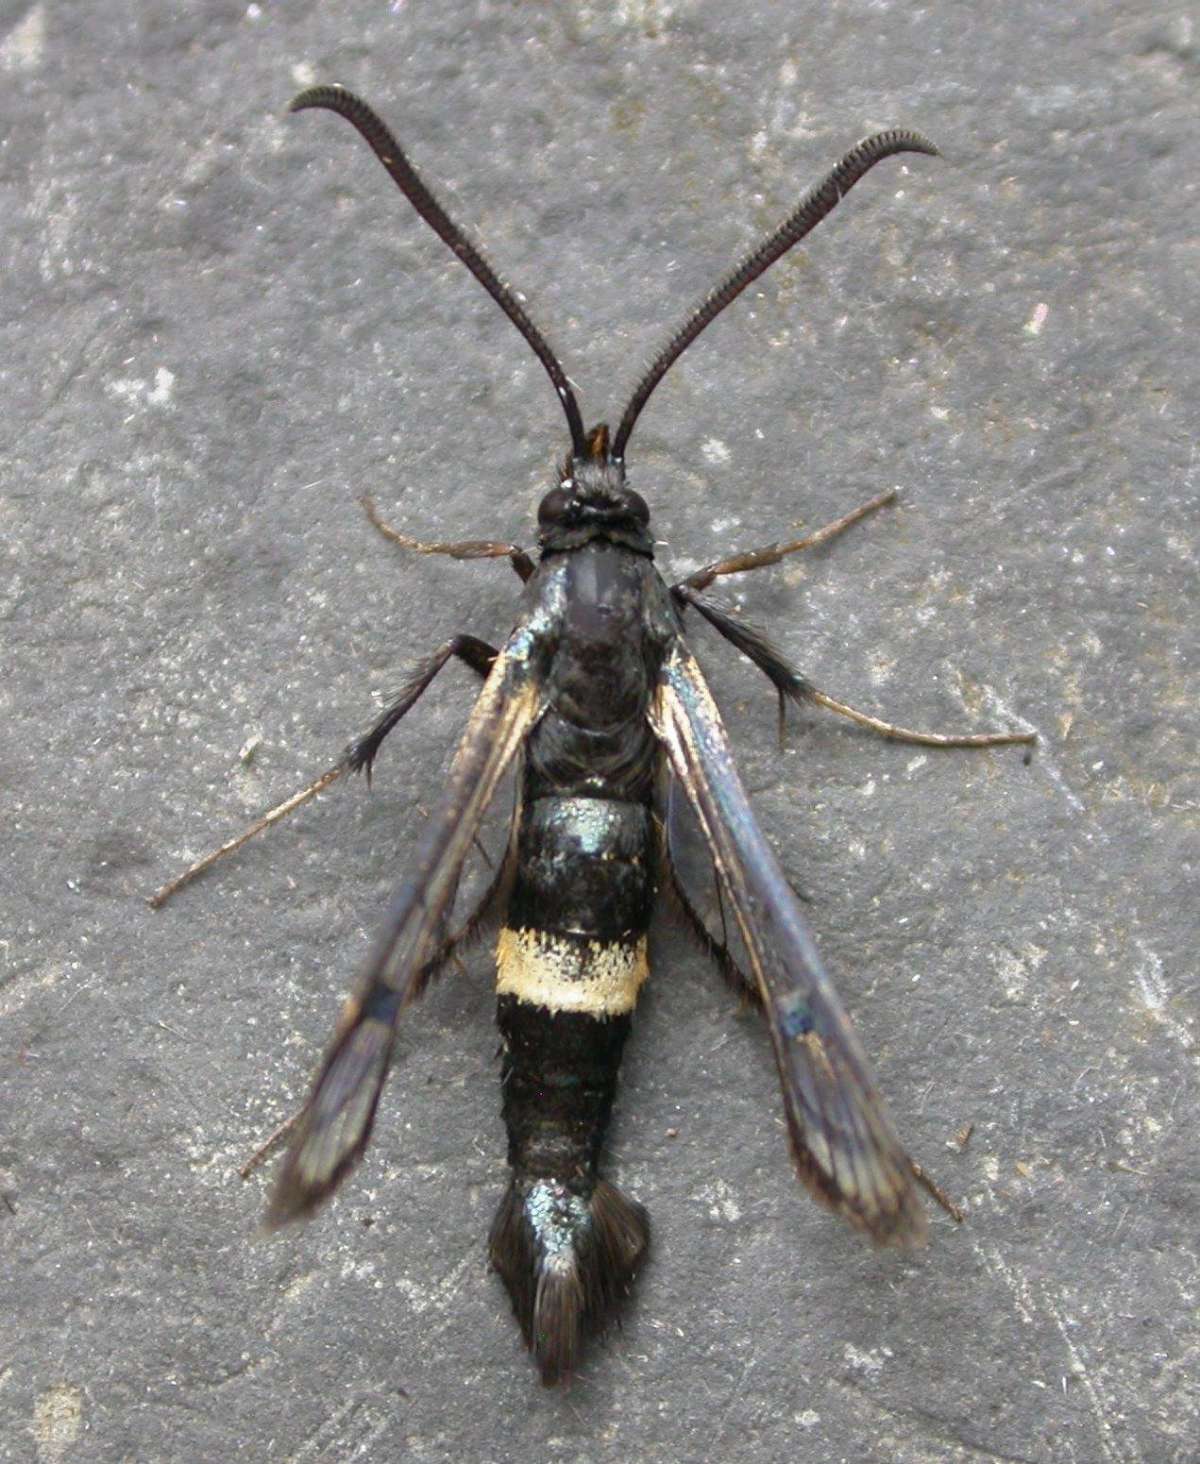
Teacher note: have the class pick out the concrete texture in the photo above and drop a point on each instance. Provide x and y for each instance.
(219, 327)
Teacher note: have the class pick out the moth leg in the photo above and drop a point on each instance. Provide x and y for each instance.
(359, 756)
(668, 878)
(467, 549)
(789, 682)
(716, 950)
(469, 931)
(932, 1188)
(281, 810)
(922, 739)
(272, 1142)
(773, 553)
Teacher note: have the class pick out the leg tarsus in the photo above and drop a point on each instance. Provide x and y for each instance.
(473, 926)
(272, 816)
(716, 950)
(272, 1142)
(773, 553)
(467, 549)
(931, 1186)
(449, 950)
(921, 739)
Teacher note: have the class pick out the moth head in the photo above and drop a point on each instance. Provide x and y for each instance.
(592, 501)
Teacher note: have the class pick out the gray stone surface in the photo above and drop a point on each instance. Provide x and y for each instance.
(219, 326)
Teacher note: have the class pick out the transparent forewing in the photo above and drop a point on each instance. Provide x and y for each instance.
(688, 871)
(843, 1143)
(336, 1122)
(508, 706)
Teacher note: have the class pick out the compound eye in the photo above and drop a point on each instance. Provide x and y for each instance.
(553, 507)
(638, 507)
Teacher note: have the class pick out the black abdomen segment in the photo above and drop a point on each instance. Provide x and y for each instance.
(559, 1077)
(583, 868)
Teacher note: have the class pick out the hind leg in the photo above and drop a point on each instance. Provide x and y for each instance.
(358, 757)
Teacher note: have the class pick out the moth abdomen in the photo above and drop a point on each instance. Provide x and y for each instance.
(571, 959)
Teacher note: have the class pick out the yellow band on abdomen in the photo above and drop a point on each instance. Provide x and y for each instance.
(601, 978)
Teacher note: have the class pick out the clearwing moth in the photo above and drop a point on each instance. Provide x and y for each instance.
(597, 704)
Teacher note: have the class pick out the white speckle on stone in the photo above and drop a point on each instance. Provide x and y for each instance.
(249, 748)
(880, 670)
(643, 15)
(866, 1362)
(721, 1202)
(714, 451)
(138, 392)
(128, 387)
(23, 47)
(1033, 326)
(1151, 982)
(304, 73)
(56, 210)
(721, 526)
(160, 393)
(1013, 968)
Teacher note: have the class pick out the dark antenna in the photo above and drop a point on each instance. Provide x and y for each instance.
(406, 178)
(811, 209)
